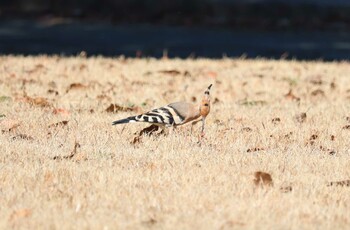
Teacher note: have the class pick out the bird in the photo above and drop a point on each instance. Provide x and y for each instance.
(174, 114)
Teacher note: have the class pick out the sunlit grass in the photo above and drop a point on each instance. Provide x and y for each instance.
(85, 173)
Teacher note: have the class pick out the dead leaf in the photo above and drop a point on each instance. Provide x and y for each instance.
(39, 66)
(40, 101)
(300, 117)
(262, 179)
(37, 101)
(216, 100)
(333, 85)
(332, 137)
(59, 111)
(276, 120)
(288, 135)
(187, 74)
(219, 122)
(330, 151)
(318, 92)
(82, 67)
(140, 83)
(291, 96)
(52, 84)
(172, 72)
(218, 82)
(35, 69)
(317, 80)
(21, 213)
(74, 86)
(258, 75)
(256, 149)
(71, 155)
(51, 91)
(311, 140)
(286, 189)
(246, 129)
(260, 93)
(150, 222)
(8, 125)
(113, 108)
(58, 124)
(23, 136)
(247, 102)
(103, 97)
(344, 183)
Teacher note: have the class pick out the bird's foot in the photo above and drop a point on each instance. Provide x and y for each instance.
(201, 137)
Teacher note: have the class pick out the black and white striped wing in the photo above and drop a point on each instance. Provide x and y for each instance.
(163, 116)
(166, 115)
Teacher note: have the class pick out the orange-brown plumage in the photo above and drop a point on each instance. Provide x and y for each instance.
(204, 107)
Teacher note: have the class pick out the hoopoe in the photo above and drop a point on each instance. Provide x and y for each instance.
(174, 114)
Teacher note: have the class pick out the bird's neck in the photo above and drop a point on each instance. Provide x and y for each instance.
(204, 108)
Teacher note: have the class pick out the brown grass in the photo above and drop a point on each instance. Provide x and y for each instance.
(63, 166)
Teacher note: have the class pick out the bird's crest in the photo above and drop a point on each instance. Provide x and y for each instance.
(205, 103)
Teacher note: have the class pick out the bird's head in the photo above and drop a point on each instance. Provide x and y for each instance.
(204, 107)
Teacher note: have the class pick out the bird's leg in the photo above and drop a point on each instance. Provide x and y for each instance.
(203, 124)
(201, 135)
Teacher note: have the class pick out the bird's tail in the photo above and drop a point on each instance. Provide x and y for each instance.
(125, 120)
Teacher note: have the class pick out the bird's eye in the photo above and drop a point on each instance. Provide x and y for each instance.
(206, 104)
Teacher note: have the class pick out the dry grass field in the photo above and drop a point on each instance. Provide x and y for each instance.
(64, 166)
